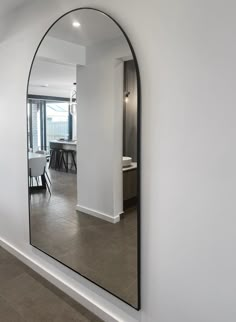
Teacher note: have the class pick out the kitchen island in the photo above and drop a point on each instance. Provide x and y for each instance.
(63, 144)
(63, 155)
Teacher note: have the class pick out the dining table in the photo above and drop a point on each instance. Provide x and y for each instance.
(33, 155)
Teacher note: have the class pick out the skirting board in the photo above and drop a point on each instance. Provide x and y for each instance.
(58, 282)
(98, 214)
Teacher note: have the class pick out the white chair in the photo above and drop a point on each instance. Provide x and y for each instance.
(44, 152)
(40, 152)
(37, 168)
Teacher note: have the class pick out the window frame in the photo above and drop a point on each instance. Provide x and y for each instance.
(43, 99)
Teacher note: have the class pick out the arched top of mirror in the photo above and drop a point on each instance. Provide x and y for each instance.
(77, 38)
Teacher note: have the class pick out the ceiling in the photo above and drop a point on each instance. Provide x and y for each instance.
(9, 5)
(95, 27)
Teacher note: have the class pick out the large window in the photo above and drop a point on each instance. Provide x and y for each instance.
(48, 120)
(57, 121)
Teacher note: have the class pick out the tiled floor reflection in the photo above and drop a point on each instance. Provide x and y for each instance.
(103, 252)
(27, 297)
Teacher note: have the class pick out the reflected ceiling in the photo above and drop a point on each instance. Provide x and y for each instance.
(88, 33)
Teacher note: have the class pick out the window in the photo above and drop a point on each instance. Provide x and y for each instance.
(57, 121)
(48, 120)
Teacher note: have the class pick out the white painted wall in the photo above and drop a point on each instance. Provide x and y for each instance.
(55, 65)
(186, 51)
(100, 129)
(62, 51)
(58, 77)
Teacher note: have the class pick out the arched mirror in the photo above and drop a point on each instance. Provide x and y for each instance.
(83, 109)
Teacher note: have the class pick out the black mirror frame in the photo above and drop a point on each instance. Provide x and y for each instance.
(138, 159)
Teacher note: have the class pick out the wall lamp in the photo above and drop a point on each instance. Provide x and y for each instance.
(127, 97)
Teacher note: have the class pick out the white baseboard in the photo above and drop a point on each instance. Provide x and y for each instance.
(58, 282)
(98, 214)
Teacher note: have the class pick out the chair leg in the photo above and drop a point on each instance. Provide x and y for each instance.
(47, 185)
(43, 179)
(58, 160)
(67, 160)
(63, 160)
(73, 158)
(51, 158)
(48, 177)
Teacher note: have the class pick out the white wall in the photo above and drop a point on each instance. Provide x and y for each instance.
(62, 51)
(55, 65)
(186, 51)
(100, 129)
(58, 77)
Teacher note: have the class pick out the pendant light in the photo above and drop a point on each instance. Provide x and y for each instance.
(73, 102)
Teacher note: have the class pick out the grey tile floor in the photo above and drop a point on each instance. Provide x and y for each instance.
(103, 252)
(26, 297)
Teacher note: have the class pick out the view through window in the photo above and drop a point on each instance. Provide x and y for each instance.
(47, 121)
(57, 121)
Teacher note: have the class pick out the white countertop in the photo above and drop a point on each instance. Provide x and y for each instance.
(64, 142)
(131, 167)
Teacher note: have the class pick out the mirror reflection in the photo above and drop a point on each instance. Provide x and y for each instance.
(83, 151)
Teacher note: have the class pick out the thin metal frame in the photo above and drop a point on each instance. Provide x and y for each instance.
(138, 160)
